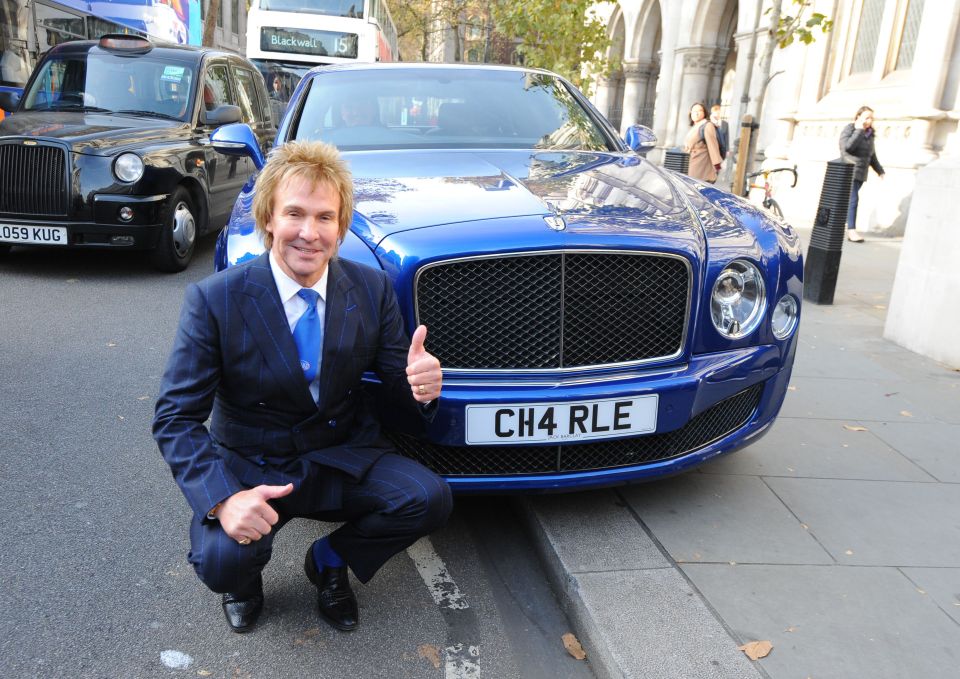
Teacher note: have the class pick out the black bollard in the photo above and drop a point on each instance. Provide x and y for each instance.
(677, 160)
(826, 241)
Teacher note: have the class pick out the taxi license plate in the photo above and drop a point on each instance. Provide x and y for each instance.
(556, 422)
(33, 235)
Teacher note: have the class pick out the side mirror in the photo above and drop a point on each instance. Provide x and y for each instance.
(9, 100)
(238, 140)
(221, 115)
(641, 139)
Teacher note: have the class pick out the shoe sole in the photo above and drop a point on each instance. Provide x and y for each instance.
(314, 577)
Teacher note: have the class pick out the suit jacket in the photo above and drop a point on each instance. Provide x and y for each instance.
(857, 148)
(234, 360)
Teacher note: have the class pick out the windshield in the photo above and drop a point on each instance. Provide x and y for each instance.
(445, 108)
(101, 81)
(336, 8)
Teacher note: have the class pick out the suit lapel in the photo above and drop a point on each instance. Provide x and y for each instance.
(263, 313)
(339, 326)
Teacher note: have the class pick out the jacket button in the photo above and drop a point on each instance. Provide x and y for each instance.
(296, 430)
(262, 404)
(332, 423)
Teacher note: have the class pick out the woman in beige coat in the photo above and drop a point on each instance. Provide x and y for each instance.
(702, 146)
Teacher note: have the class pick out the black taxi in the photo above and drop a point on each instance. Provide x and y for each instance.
(109, 147)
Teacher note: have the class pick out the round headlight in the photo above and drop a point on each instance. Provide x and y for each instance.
(736, 304)
(784, 319)
(128, 167)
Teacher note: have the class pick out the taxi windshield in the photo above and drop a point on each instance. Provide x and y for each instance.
(100, 81)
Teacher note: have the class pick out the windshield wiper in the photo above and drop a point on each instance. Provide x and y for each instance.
(154, 114)
(72, 107)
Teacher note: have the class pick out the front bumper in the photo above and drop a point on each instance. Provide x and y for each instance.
(713, 405)
(106, 231)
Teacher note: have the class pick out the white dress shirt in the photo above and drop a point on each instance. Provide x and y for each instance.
(294, 305)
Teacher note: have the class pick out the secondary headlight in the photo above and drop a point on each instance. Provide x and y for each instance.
(736, 303)
(784, 319)
(128, 167)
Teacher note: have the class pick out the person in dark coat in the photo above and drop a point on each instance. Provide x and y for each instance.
(857, 148)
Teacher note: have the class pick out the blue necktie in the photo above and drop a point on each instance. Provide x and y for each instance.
(308, 335)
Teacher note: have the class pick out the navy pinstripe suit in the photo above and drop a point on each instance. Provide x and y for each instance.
(234, 360)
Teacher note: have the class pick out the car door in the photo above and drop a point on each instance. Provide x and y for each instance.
(252, 98)
(226, 175)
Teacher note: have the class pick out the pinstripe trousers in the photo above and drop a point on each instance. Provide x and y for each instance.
(396, 503)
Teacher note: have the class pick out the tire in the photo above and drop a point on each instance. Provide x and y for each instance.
(178, 238)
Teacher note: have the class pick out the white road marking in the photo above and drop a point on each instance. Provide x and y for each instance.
(176, 660)
(461, 662)
(434, 572)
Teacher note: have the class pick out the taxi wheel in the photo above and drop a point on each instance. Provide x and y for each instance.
(178, 239)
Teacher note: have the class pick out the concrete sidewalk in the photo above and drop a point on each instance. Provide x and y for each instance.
(836, 537)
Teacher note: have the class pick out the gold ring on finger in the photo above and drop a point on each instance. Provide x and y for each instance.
(244, 541)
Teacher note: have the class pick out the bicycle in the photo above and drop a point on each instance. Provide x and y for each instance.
(768, 200)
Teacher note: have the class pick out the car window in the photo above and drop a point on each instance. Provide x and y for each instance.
(450, 108)
(216, 87)
(247, 97)
(101, 80)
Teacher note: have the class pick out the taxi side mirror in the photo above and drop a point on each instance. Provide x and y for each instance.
(221, 115)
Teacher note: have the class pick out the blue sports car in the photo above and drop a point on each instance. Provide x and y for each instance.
(599, 319)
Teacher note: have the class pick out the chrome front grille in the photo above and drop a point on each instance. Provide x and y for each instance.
(33, 180)
(548, 311)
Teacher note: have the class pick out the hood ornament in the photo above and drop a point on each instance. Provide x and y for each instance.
(555, 222)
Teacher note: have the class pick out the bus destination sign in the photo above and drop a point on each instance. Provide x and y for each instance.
(308, 41)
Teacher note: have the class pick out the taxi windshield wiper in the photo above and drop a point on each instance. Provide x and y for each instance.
(154, 114)
(72, 107)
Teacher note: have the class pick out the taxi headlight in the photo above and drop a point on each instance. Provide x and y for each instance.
(128, 167)
(784, 319)
(736, 303)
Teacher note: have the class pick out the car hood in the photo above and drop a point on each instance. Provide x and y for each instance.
(93, 133)
(403, 191)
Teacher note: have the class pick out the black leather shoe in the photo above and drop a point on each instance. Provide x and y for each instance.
(335, 598)
(243, 609)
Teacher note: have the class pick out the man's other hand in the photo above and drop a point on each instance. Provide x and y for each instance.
(247, 516)
(423, 369)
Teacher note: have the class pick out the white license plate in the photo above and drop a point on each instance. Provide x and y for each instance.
(555, 422)
(33, 235)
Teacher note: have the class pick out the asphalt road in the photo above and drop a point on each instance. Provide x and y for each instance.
(95, 581)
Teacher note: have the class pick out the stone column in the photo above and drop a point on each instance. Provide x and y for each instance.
(605, 89)
(636, 80)
(695, 78)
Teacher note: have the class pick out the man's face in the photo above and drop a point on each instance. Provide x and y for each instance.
(305, 228)
(358, 112)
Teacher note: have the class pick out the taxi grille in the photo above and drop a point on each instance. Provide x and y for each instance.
(554, 310)
(32, 180)
(712, 424)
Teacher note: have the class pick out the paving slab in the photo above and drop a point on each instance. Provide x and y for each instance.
(878, 523)
(834, 621)
(934, 447)
(640, 621)
(815, 448)
(942, 584)
(713, 518)
(852, 399)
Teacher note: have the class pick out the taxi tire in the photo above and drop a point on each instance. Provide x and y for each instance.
(170, 255)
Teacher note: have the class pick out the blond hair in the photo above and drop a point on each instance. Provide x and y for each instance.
(313, 161)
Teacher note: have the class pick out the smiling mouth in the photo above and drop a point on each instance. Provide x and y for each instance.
(306, 251)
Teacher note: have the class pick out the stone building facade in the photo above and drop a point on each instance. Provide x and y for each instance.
(900, 57)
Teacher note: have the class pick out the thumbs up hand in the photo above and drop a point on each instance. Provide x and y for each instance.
(423, 369)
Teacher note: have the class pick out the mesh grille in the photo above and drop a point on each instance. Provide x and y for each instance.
(712, 424)
(32, 180)
(559, 310)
